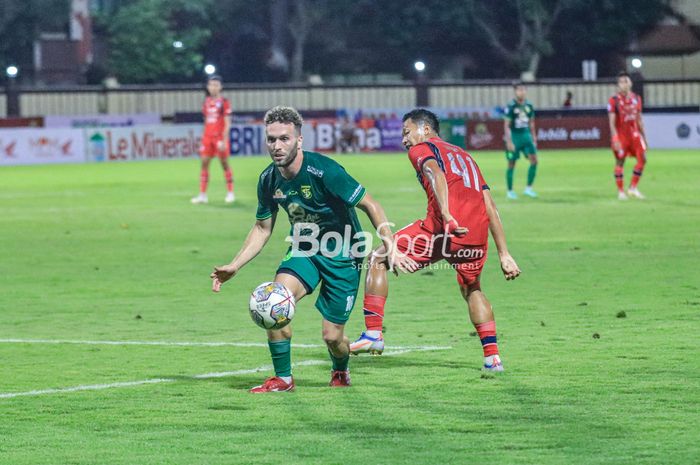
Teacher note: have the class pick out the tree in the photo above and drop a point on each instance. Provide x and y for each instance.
(142, 35)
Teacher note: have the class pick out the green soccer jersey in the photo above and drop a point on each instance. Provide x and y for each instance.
(322, 193)
(519, 116)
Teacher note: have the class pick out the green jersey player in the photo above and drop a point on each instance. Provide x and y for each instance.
(327, 248)
(519, 129)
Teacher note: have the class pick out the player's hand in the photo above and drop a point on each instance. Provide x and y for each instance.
(616, 145)
(220, 275)
(510, 146)
(450, 226)
(220, 145)
(509, 267)
(399, 261)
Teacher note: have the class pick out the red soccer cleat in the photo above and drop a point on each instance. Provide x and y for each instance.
(340, 378)
(273, 384)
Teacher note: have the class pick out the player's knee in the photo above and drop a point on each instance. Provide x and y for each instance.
(333, 339)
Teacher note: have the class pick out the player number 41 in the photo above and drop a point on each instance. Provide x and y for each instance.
(463, 170)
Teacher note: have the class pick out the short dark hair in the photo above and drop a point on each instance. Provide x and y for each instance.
(423, 116)
(215, 77)
(284, 115)
(517, 84)
(623, 74)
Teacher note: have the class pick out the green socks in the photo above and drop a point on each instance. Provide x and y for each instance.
(339, 364)
(531, 172)
(509, 178)
(281, 352)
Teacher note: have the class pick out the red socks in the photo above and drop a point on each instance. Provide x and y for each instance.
(487, 334)
(203, 181)
(229, 180)
(618, 178)
(373, 307)
(637, 172)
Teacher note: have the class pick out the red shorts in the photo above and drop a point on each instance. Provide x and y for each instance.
(210, 147)
(425, 248)
(630, 147)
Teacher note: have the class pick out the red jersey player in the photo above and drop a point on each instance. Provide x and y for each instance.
(627, 134)
(215, 140)
(455, 228)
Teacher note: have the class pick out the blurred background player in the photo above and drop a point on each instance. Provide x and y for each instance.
(627, 134)
(460, 214)
(311, 188)
(520, 136)
(215, 140)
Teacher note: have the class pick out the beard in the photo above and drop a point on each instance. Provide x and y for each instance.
(288, 159)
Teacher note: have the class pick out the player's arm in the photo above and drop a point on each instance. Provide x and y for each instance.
(257, 238)
(533, 130)
(508, 266)
(375, 213)
(508, 136)
(614, 137)
(640, 125)
(438, 183)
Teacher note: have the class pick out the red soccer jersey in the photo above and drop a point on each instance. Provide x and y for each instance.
(627, 110)
(215, 111)
(465, 185)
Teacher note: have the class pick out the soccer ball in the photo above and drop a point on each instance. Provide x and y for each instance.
(272, 306)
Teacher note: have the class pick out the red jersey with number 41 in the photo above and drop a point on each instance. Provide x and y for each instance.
(627, 109)
(215, 110)
(465, 186)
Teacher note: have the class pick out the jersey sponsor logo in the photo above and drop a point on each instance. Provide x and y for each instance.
(306, 192)
(315, 171)
(279, 195)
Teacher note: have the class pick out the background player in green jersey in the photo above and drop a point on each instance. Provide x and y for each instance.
(319, 197)
(520, 137)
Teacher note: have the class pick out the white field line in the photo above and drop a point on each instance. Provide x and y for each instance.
(188, 344)
(224, 374)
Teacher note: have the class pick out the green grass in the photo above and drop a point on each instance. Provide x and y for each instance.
(86, 249)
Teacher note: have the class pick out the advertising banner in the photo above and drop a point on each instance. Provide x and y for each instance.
(162, 142)
(38, 146)
(32, 122)
(552, 133)
(673, 130)
(100, 121)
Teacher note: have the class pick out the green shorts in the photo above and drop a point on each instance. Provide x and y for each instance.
(339, 277)
(522, 144)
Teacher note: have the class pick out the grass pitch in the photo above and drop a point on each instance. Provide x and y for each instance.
(599, 336)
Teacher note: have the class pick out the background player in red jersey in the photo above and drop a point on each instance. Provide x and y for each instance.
(215, 140)
(460, 214)
(627, 134)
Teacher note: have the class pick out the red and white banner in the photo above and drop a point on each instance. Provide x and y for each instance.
(673, 130)
(35, 146)
(143, 142)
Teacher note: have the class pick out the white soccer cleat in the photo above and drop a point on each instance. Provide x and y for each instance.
(201, 198)
(493, 363)
(230, 198)
(622, 196)
(511, 195)
(530, 192)
(365, 344)
(635, 193)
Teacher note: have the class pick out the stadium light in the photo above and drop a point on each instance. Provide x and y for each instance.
(12, 71)
(419, 65)
(210, 69)
(636, 63)
(178, 44)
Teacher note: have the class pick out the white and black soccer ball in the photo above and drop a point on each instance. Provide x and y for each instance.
(272, 306)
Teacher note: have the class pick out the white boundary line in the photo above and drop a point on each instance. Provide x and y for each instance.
(188, 344)
(99, 387)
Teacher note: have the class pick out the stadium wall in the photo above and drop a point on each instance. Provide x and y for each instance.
(167, 100)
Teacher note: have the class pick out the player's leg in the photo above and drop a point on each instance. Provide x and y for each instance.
(228, 175)
(619, 177)
(339, 352)
(531, 155)
(203, 177)
(640, 154)
(299, 276)
(481, 315)
(511, 157)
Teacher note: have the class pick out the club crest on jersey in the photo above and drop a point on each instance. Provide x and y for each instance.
(306, 192)
(279, 195)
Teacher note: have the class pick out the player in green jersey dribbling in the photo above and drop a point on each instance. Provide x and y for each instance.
(520, 137)
(328, 244)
